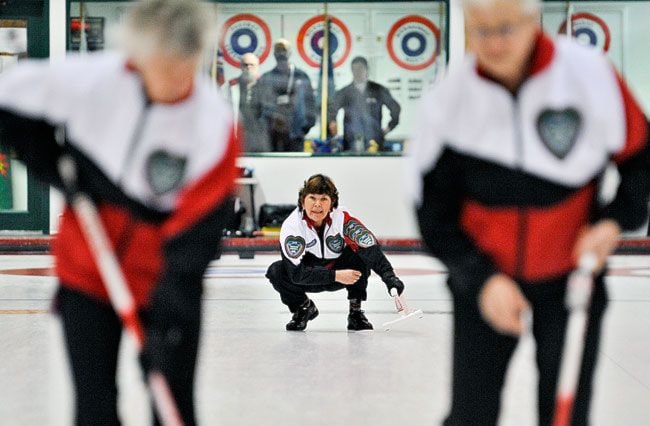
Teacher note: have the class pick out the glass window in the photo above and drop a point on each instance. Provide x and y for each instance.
(379, 56)
(618, 28)
(267, 62)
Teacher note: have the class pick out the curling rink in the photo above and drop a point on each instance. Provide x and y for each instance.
(253, 372)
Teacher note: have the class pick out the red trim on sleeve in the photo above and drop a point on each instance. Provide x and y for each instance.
(636, 126)
(348, 241)
(354, 245)
(207, 193)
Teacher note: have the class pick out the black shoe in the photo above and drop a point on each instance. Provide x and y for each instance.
(357, 321)
(301, 316)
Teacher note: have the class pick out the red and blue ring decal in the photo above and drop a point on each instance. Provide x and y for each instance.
(413, 42)
(310, 41)
(589, 29)
(245, 33)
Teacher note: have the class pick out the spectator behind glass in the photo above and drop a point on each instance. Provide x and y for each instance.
(362, 100)
(251, 126)
(287, 98)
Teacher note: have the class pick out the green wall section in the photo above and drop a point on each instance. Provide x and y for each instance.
(37, 216)
(6, 196)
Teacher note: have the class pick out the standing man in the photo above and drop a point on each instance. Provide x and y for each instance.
(288, 104)
(507, 156)
(250, 73)
(362, 100)
(155, 150)
(255, 135)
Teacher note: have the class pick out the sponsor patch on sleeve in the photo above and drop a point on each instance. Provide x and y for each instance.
(358, 233)
(294, 246)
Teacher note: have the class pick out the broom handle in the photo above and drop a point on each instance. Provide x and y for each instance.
(399, 303)
(115, 282)
(578, 296)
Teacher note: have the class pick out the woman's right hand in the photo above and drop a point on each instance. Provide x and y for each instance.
(347, 276)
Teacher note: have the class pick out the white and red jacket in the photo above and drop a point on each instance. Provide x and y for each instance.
(309, 253)
(159, 173)
(505, 182)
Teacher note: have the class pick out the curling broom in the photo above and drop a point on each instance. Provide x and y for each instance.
(115, 282)
(403, 311)
(578, 295)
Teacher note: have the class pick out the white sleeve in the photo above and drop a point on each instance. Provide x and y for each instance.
(40, 89)
(292, 242)
(26, 88)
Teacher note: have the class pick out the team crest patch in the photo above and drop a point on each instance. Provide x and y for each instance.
(165, 171)
(335, 243)
(559, 130)
(294, 246)
(358, 233)
(312, 243)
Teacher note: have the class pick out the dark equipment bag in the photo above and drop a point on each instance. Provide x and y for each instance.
(272, 215)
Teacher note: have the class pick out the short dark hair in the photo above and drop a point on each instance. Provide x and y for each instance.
(318, 184)
(360, 60)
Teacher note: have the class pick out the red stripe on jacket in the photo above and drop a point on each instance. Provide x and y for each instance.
(636, 126)
(140, 258)
(544, 245)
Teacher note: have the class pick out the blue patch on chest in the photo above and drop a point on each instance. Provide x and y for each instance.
(335, 243)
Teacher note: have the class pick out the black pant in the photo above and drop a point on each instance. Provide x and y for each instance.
(92, 333)
(282, 142)
(481, 356)
(294, 294)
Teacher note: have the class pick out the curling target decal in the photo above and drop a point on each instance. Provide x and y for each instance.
(310, 41)
(589, 29)
(245, 33)
(413, 42)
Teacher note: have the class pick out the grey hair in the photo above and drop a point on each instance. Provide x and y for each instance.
(528, 6)
(178, 27)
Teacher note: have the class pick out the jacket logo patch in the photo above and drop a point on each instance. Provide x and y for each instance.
(312, 243)
(294, 246)
(165, 171)
(358, 233)
(559, 130)
(335, 243)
